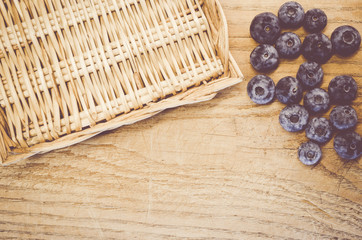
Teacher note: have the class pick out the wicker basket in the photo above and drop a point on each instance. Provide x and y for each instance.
(71, 69)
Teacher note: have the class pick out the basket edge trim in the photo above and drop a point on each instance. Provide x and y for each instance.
(198, 94)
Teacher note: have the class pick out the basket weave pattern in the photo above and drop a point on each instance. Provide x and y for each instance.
(68, 65)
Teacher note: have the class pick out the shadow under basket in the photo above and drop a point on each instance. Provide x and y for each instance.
(73, 69)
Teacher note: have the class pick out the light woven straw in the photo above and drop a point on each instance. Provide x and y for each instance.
(71, 69)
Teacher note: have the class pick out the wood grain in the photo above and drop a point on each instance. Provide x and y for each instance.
(223, 169)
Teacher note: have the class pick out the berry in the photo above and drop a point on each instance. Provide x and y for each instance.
(316, 100)
(315, 20)
(264, 58)
(319, 130)
(343, 117)
(265, 28)
(348, 145)
(291, 15)
(293, 118)
(346, 40)
(310, 74)
(289, 90)
(309, 153)
(289, 45)
(317, 48)
(342, 90)
(261, 89)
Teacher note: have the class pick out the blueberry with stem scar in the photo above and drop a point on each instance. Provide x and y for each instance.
(309, 153)
(291, 15)
(265, 28)
(315, 20)
(310, 74)
(319, 130)
(289, 45)
(342, 90)
(343, 117)
(294, 118)
(264, 58)
(317, 48)
(317, 100)
(289, 90)
(346, 40)
(348, 145)
(261, 89)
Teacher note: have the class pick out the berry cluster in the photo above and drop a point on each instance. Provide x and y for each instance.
(317, 48)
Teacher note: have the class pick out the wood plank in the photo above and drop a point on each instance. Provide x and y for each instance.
(222, 169)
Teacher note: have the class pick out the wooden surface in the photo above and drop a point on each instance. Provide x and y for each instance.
(222, 169)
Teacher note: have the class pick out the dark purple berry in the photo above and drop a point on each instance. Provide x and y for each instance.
(343, 117)
(346, 40)
(289, 90)
(291, 15)
(289, 45)
(261, 89)
(309, 153)
(315, 20)
(317, 48)
(342, 90)
(294, 118)
(348, 145)
(265, 28)
(264, 58)
(319, 130)
(316, 100)
(310, 74)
